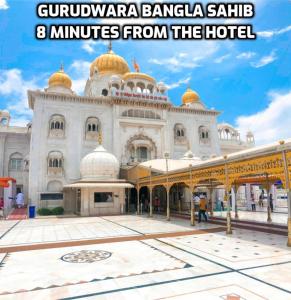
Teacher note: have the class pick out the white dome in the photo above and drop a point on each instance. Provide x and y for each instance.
(99, 165)
(190, 156)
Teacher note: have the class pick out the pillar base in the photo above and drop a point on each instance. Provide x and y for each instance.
(192, 218)
(289, 232)
(269, 220)
(168, 215)
(228, 223)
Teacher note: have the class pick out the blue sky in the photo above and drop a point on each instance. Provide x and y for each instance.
(248, 81)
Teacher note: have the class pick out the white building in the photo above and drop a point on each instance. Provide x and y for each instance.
(137, 120)
(230, 139)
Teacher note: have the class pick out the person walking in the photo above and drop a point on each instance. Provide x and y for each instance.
(20, 200)
(221, 205)
(261, 199)
(202, 208)
(253, 203)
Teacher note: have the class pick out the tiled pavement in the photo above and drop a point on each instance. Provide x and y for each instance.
(252, 265)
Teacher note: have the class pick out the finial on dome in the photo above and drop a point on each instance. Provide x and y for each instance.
(62, 67)
(100, 138)
(110, 46)
(136, 66)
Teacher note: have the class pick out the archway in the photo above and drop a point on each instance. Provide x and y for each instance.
(179, 198)
(131, 202)
(159, 199)
(144, 199)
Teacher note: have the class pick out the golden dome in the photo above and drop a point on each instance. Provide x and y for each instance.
(137, 75)
(190, 96)
(109, 63)
(60, 78)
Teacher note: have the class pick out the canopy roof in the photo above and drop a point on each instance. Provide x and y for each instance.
(159, 165)
(4, 181)
(100, 184)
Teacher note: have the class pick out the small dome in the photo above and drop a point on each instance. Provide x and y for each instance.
(109, 63)
(190, 96)
(99, 165)
(60, 78)
(190, 156)
(249, 133)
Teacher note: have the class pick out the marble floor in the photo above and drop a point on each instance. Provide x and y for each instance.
(257, 216)
(208, 265)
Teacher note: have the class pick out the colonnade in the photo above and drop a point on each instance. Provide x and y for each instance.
(230, 175)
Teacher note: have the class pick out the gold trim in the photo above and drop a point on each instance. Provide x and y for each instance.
(137, 75)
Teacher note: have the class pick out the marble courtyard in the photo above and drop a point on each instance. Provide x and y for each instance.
(136, 257)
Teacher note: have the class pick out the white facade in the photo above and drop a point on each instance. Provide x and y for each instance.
(131, 110)
(230, 139)
(14, 152)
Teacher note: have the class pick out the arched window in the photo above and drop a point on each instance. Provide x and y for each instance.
(143, 114)
(16, 162)
(104, 92)
(204, 135)
(92, 128)
(55, 163)
(180, 133)
(57, 126)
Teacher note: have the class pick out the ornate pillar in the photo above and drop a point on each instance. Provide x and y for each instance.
(233, 198)
(268, 187)
(227, 188)
(138, 202)
(151, 201)
(192, 205)
(289, 217)
(287, 186)
(151, 194)
(168, 202)
(211, 202)
(236, 188)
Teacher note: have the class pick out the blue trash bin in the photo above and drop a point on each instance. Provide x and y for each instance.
(31, 211)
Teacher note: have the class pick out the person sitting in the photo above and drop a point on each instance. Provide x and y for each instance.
(202, 208)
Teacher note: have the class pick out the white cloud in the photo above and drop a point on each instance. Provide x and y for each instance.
(270, 33)
(176, 84)
(220, 59)
(246, 55)
(175, 63)
(90, 45)
(3, 4)
(271, 124)
(265, 60)
(79, 70)
(183, 55)
(14, 89)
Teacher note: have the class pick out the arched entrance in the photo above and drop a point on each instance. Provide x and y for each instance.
(144, 198)
(159, 199)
